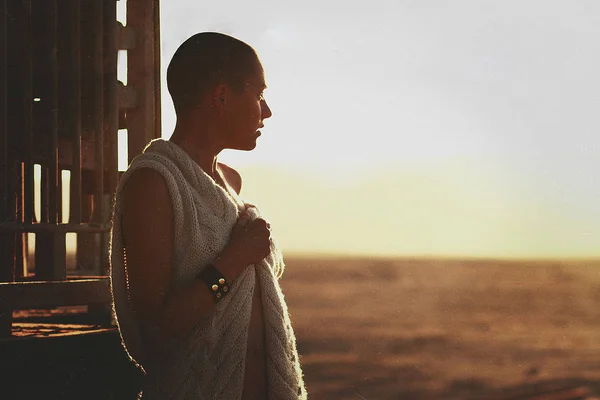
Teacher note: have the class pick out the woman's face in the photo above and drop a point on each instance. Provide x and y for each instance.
(246, 112)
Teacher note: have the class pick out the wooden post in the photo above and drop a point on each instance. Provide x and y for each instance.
(143, 74)
(98, 111)
(72, 25)
(24, 54)
(92, 107)
(111, 121)
(111, 110)
(5, 253)
(50, 245)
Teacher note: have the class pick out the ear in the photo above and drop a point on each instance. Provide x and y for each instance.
(219, 97)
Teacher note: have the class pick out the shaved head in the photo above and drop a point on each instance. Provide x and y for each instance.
(204, 61)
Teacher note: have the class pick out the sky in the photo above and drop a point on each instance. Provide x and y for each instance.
(419, 128)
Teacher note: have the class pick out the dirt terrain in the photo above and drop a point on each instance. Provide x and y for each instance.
(451, 329)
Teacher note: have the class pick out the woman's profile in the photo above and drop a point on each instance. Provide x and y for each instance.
(194, 269)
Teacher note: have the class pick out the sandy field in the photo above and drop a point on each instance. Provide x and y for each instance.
(381, 329)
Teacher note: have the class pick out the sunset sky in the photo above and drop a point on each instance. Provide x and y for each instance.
(444, 128)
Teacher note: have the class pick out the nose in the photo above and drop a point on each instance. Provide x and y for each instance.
(265, 110)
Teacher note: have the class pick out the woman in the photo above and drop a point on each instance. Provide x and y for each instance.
(194, 270)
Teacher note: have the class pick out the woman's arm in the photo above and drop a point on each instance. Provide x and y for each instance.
(165, 315)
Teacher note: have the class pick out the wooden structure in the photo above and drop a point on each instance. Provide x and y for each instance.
(61, 107)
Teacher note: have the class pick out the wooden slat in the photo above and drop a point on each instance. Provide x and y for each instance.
(44, 294)
(22, 80)
(17, 42)
(50, 255)
(70, 101)
(50, 246)
(111, 109)
(50, 15)
(98, 111)
(5, 259)
(75, 126)
(126, 37)
(111, 121)
(3, 112)
(47, 227)
(5, 214)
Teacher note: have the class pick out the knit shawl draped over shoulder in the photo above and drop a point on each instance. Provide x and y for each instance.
(210, 362)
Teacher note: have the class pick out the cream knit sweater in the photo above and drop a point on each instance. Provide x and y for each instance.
(209, 364)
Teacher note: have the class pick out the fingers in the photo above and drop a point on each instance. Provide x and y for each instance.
(257, 229)
(260, 222)
(243, 219)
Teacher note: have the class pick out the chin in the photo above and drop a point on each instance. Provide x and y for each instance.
(245, 146)
(250, 147)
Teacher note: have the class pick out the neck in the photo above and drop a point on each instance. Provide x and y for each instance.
(197, 144)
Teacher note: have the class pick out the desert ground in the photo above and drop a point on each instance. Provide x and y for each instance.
(381, 329)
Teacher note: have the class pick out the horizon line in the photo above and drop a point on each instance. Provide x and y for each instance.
(444, 257)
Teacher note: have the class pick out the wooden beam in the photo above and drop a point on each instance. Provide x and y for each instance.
(97, 45)
(51, 49)
(70, 77)
(44, 294)
(46, 227)
(20, 72)
(111, 99)
(126, 37)
(6, 264)
(143, 75)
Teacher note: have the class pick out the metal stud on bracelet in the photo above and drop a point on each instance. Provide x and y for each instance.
(215, 281)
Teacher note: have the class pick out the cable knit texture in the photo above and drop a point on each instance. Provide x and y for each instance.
(210, 362)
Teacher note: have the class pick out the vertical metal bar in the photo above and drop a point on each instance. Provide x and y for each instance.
(97, 44)
(73, 21)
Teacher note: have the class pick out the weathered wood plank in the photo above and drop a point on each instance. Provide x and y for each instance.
(143, 74)
(70, 95)
(47, 294)
(46, 227)
(5, 253)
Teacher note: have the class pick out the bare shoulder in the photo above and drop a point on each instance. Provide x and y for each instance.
(143, 180)
(146, 206)
(233, 178)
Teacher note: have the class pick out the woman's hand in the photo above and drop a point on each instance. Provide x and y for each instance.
(251, 239)
(250, 243)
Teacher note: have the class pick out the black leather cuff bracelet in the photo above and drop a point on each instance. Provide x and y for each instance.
(216, 282)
